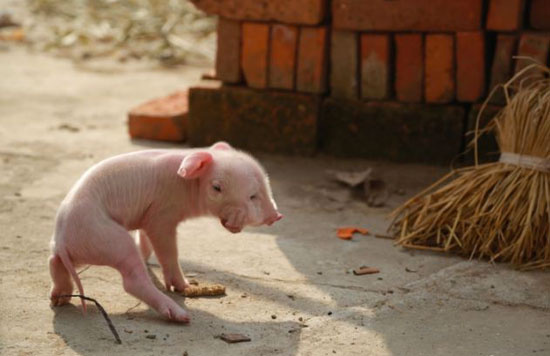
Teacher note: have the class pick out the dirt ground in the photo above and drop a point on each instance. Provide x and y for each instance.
(288, 286)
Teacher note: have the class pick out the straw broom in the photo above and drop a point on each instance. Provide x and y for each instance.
(499, 210)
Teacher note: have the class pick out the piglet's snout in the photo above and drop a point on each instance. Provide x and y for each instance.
(233, 220)
(278, 216)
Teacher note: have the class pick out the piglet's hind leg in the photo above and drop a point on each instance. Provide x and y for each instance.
(61, 281)
(123, 255)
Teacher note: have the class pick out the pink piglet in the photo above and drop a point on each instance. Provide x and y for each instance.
(153, 191)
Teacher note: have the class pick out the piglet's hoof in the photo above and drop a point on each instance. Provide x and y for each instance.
(175, 313)
(56, 300)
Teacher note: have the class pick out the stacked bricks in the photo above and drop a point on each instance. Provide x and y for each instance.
(355, 74)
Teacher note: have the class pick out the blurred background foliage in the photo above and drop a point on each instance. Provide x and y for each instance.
(168, 31)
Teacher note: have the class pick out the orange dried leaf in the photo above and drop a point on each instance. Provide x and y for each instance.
(345, 233)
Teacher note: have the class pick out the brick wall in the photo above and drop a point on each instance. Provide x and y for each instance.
(372, 78)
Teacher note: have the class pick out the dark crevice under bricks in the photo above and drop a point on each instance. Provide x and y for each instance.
(487, 145)
(391, 130)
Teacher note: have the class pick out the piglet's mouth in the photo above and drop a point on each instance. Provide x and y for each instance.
(233, 229)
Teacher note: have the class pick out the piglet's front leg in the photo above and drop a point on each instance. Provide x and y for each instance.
(165, 246)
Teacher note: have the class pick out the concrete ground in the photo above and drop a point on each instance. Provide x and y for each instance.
(288, 286)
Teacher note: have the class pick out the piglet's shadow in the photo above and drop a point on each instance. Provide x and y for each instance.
(143, 331)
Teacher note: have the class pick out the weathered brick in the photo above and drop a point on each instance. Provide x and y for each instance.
(282, 62)
(344, 64)
(505, 15)
(375, 66)
(409, 67)
(407, 15)
(254, 55)
(228, 61)
(534, 45)
(311, 76)
(501, 68)
(540, 14)
(163, 119)
(470, 66)
(439, 69)
(270, 121)
(307, 12)
(391, 130)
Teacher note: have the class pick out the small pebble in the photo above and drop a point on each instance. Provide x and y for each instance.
(329, 313)
(273, 316)
(151, 336)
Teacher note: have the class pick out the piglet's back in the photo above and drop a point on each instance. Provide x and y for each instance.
(122, 186)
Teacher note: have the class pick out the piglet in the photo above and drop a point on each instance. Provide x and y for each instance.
(153, 191)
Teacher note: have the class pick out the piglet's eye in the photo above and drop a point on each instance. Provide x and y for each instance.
(253, 197)
(217, 188)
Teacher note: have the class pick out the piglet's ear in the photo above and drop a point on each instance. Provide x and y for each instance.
(222, 146)
(194, 165)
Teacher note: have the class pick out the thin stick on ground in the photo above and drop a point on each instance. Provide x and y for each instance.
(101, 310)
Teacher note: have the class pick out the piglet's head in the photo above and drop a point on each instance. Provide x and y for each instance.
(233, 186)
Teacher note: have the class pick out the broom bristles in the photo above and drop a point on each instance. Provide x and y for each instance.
(497, 210)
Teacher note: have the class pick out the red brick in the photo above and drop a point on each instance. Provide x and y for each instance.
(282, 62)
(163, 119)
(540, 14)
(534, 45)
(409, 67)
(505, 15)
(470, 66)
(228, 65)
(375, 66)
(438, 69)
(501, 68)
(255, 54)
(307, 12)
(312, 60)
(407, 15)
(344, 64)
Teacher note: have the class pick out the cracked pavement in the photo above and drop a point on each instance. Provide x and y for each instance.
(289, 286)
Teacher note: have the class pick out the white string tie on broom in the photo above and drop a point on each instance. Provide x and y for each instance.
(526, 161)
